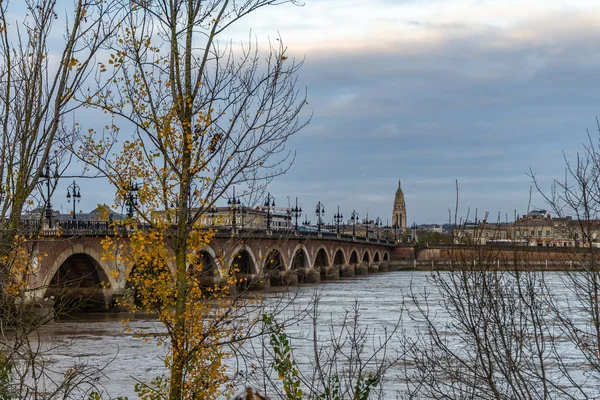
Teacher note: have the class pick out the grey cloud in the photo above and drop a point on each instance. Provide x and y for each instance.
(466, 108)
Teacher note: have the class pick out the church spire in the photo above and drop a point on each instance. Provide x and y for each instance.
(399, 211)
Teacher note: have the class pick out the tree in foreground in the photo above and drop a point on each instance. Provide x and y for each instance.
(45, 56)
(201, 115)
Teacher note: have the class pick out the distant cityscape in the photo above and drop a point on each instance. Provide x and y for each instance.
(536, 228)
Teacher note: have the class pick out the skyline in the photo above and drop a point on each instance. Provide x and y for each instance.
(427, 92)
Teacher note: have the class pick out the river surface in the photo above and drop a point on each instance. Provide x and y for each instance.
(102, 340)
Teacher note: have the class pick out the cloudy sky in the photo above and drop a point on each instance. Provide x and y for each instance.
(430, 91)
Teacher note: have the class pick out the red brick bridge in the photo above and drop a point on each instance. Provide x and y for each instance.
(73, 265)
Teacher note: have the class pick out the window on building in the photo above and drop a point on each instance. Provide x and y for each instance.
(539, 233)
(548, 233)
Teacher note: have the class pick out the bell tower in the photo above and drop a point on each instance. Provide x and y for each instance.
(399, 213)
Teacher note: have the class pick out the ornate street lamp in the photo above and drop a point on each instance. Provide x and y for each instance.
(74, 192)
(132, 198)
(233, 203)
(269, 202)
(320, 212)
(338, 218)
(378, 226)
(47, 176)
(367, 227)
(297, 212)
(354, 219)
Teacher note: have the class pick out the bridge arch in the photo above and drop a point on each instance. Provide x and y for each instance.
(376, 257)
(339, 257)
(80, 279)
(274, 261)
(93, 256)
(321, 258)
(386, 257)
(243, 258)
(366, 257)
(208, 260)
(300, 258)
(353, 257)
(154, 278)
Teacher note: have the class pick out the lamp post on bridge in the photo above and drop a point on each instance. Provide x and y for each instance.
(354, 219)
(132, 198)
(367, 227)
(233, 203)
(296, 212)
(320, 212)
(74, 192)
(338, 218)
(378, 226)
(46, 175)
(269, 202)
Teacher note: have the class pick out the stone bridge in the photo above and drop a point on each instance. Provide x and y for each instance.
(72, 265)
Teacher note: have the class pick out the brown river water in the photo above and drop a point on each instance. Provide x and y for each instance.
(102, 340)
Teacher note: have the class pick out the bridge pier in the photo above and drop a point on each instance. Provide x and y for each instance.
(307, 275)
(209, 281)
(119, 299)
(362, 269)
(373, 268)
(330, 273)
(384, 267)
(283, 278)
(348, 271)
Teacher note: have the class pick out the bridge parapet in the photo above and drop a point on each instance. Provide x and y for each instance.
(65, 228)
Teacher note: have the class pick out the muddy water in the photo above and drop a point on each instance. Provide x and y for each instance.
(101, 339)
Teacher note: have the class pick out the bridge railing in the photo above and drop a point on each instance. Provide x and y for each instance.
(98, 228)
